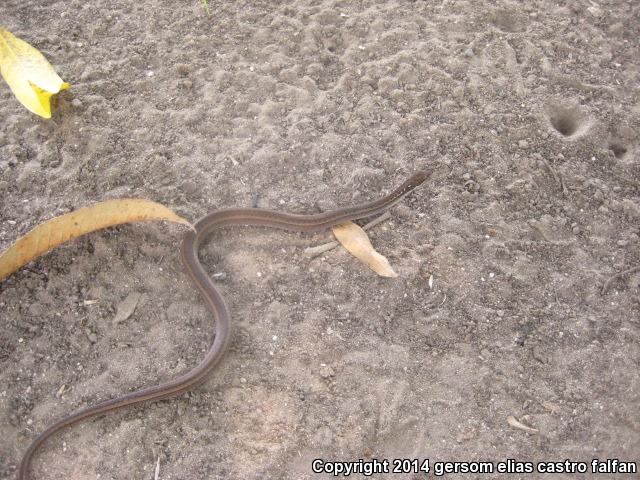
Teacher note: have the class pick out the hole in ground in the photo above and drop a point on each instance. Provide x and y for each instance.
(507, 21)
(567, 121)
(618, 149)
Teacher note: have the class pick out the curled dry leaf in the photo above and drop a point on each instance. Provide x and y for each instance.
(511, 420)
(30, 76)
(356, 241)
(74, 224)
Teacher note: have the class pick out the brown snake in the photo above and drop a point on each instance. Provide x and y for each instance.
(214, 300)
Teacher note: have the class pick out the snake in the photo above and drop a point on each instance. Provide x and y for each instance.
(214, 300)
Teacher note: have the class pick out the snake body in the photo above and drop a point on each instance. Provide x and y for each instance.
(214, 301)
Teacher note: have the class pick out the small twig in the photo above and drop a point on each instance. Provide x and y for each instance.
(556, 176)
(565, 191)
(551, 169)
(511, 420)
(157, 472)
(320, 249)
(617, 276)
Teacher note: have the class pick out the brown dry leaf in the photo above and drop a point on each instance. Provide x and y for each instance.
(74, 224)
(356, 241)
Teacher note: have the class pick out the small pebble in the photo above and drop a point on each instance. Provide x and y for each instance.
(93, 338)
(326, 371)
(623, 243)
(468, 52)
(539, 355)
(523, 144)
(76, 102)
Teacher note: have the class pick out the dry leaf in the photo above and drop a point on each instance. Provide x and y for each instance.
(30, 76)
(511, 420)
(356, 241)
(74, 224)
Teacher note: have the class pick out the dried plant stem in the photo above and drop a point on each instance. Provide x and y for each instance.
(320, 249)
(617, 276)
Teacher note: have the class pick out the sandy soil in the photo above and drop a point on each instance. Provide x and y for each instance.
(527, 114)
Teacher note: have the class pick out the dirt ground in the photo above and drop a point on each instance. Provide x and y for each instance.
(527, 115)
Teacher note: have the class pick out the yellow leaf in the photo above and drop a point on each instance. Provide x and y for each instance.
(74, 224)
(30, 76)
(356, 241)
